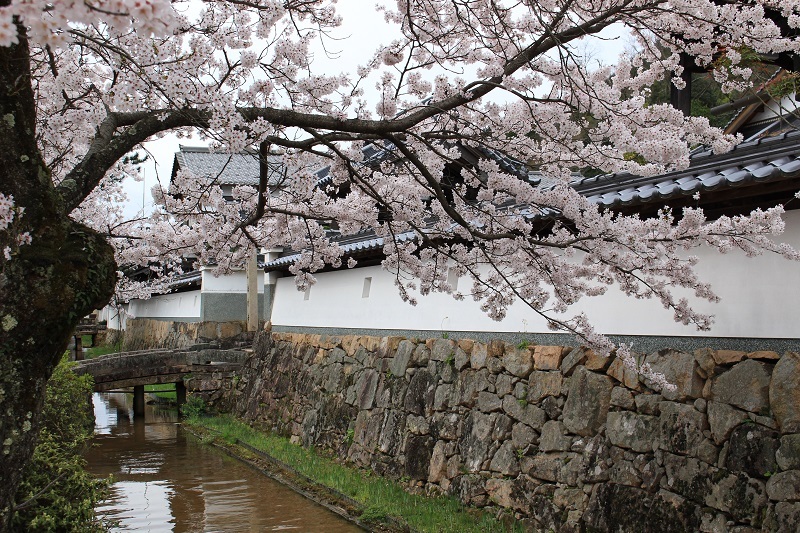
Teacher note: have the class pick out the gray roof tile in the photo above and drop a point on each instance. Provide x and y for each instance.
(228, 169)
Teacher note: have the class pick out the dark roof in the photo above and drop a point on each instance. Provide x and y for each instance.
(754, 162)
(227, 169)
(359, 243)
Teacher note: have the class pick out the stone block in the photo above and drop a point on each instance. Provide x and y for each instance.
(518, 362)
(466, 345)
(788, 454)
(786, 517)
(554, 438)
(622, 397)
(500, 491)
(680, 369)
(366, 388)
(740, 496)
(421, 356)
(764, 355)
(688, 476)
(392, 428)
(388, 345)
(593, 463)
(443, 350)
(547, 466)
(624, 374)
(728, 357)
(573, 499)
(784, 393)
(438, 465)
(573, 359)
(477, 358)
(633, 431)
(420, 394)
(543, 384)
(595, 362)
(495, 348)
(784, 486)
(648, 404)
(399, 363)
(494, 365)
(461, 360)
(547, 357)
(723, 418)
(587, 402)
(624, 473)
(418, 452)
(417, 425)
(350, 344)
(705, 362)
(524, 412)
(370, 343)
(475, 439)
(523, 436)
(489, 402)
(681, 428)
(467, 386)
(442, 397)
(745, 385)
(752, 451)
(505, 461)
(471, 490)
(504, 384)
(614, 507)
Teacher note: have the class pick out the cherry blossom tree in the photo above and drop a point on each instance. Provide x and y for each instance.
(84, 83)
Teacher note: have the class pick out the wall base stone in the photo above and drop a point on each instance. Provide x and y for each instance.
(145, 334)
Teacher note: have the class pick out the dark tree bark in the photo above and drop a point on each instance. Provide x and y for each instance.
(67, 271)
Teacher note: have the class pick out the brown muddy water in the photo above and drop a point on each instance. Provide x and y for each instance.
(166, 480)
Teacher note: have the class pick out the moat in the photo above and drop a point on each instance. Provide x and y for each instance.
(165, 479)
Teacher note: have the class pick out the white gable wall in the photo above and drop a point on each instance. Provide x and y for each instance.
(233, 282)
(185, 305)
(760, 299)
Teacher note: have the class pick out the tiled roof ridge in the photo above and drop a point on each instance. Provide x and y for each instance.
(784, 143)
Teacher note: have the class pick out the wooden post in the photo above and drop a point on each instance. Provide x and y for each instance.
(180, 394)
(77, 348)
(252, 292)
(138, 401)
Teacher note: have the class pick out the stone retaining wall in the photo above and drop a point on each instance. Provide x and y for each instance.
(147, 333)
(572, 441)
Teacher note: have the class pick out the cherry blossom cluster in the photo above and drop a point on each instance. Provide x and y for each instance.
(462, 95)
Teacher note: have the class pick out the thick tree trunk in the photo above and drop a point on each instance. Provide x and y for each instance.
(65, 273)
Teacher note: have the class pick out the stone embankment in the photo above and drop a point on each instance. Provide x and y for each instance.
(572, 441)
(147, 334)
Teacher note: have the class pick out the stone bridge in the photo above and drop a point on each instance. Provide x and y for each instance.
(197, 365)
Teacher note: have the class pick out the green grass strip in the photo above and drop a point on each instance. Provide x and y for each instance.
(165, 391)
(97, 351)
(379, 496)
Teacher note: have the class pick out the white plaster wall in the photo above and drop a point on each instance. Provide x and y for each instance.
(773, 109)
(760, 297)
(233, 282)
(177, 305)
(115, 317)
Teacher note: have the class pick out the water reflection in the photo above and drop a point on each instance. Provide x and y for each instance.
(164, 480)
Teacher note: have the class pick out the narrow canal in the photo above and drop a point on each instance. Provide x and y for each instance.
(166, 480)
